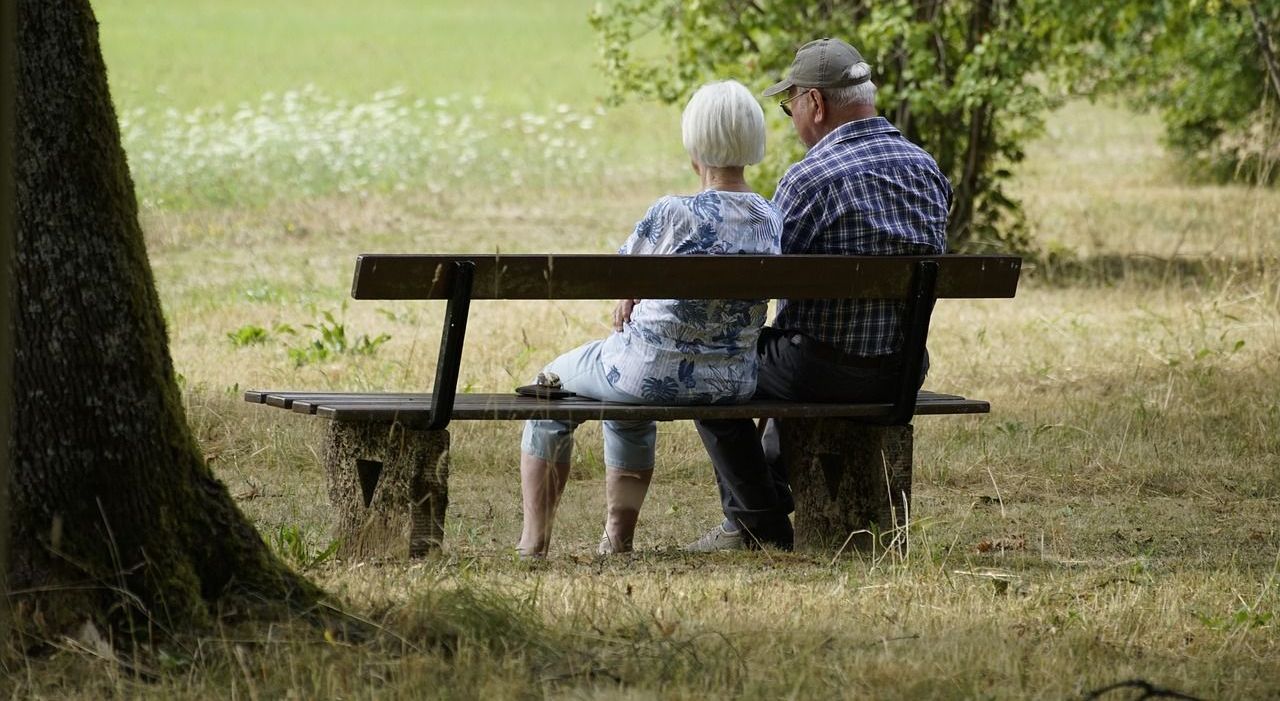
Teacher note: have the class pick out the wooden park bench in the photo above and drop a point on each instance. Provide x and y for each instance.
(387, 454)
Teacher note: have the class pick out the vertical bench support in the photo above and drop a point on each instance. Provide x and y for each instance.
(915, 335)
(451, 338)
(389, 484)
(851, 483)
(389, 488)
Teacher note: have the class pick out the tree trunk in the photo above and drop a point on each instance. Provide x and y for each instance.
(7, 84)
(115, 515)
(980, 142)
(1263, 33)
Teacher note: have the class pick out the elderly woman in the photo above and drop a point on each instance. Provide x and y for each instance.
(664, 351)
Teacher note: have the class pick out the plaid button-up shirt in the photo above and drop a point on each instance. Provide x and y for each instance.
(864, 189)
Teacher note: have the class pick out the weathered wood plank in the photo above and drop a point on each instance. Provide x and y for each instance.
(283, 399)
(306, 403)
(503, 407)
(410, 408)
(391, 276)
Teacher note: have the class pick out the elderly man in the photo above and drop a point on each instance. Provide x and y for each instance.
(862, 189)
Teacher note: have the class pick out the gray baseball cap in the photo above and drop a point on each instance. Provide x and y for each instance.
(823, 63)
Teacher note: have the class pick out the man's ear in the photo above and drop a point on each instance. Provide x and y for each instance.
(819, 106)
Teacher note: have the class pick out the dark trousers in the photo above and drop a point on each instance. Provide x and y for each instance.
(750, 472)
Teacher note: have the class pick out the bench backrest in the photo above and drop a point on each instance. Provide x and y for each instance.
(390, 276)
(916, 280)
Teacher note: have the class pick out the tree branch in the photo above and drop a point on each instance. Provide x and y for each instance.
(746, 34)
(1264, 43)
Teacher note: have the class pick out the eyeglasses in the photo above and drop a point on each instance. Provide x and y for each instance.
(783, 104)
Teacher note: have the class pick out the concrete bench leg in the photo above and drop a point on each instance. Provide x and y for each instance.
(389, 487)
(848, 477)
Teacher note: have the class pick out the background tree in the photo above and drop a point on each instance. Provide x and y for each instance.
(971, 80)
(115, 516)
(1209, 67)
(954, 76)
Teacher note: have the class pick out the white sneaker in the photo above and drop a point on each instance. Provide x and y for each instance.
(716, 540)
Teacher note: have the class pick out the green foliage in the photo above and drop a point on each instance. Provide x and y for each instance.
(968, 80)
(1201, 64)
(248, 335)
(290, 543)
(332, 340)
(1242, 618)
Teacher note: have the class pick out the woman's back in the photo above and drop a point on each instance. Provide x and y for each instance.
(697, 350)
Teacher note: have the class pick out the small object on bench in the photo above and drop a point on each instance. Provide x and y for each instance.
(850, 463)
(546, 386)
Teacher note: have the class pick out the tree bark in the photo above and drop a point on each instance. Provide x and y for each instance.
(1264, 45)
(115, 514)
(980, 142)
(7, 86)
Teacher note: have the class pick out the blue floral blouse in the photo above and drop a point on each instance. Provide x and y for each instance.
(695, 351)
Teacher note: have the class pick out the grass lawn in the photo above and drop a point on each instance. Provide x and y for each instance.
(197, 53)
(1117, 516)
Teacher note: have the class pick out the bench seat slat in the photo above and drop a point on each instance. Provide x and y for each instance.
(411, 409)
(286, 399)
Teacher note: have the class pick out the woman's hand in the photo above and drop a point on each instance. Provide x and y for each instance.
(622, 312)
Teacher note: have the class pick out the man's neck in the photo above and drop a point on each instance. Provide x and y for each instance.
(857, 112)
(845, 115)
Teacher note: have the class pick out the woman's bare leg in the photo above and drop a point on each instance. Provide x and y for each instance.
(624, 492)
(541, 484)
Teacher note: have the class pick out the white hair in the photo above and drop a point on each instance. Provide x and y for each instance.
(723, 126)
(860, 94)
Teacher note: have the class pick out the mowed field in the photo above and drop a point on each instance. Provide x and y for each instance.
(1116, 516)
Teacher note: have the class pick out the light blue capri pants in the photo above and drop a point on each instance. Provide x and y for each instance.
(628, 445)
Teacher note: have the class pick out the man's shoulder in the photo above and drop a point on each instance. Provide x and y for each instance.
(803, 176)
(875, 152)
(842, 164)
